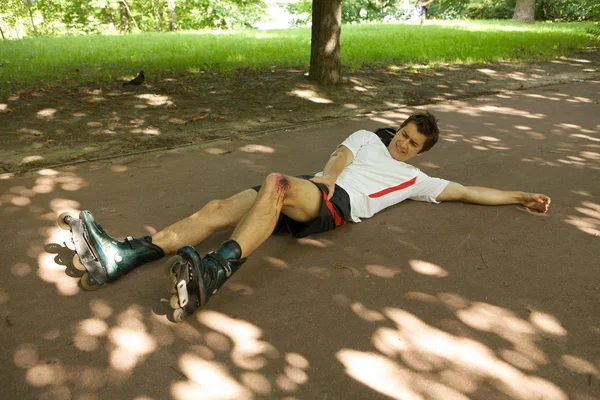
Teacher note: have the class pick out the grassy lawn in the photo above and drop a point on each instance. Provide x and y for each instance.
(75, 60)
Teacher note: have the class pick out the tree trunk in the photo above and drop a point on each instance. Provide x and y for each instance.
(157, 16)
(108, 13)
(525, 11)
(171, 5)
(31, 16)
(124, 17)
(129, 13)
(325, 50)
(2, 32)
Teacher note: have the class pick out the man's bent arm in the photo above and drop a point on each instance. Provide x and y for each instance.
(487, 196)
(340, 159)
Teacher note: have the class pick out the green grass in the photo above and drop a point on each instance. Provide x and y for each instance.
(73, 60)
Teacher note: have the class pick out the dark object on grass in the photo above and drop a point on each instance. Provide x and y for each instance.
(138, 80)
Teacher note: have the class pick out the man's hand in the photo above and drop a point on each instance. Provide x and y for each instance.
(326, 180)
(537, 202)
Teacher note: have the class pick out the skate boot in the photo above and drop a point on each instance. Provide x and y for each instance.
(193, 280)
(102, 257)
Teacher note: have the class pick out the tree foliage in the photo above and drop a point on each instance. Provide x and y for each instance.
(97, 16)
(354, 11)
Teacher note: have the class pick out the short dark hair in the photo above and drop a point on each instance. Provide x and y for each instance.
(426, 124)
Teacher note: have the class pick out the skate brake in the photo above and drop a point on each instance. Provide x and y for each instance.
(182, 293)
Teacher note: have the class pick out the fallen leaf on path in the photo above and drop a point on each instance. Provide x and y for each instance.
(199, 116)
(351, 269)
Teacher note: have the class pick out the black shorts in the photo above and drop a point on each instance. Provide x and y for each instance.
(334, 212)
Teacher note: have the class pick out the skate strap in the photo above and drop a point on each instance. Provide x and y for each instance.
(229, 266)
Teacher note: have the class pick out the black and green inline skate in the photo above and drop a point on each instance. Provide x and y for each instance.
(102, 257)
(192, 280)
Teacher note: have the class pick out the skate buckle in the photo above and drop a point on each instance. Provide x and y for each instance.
(182, 293)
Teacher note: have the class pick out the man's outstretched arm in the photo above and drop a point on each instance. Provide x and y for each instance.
(493, 197)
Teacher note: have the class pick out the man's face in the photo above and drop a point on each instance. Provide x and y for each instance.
(407, 143)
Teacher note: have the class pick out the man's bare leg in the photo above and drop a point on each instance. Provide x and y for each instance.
(297, 198)
(214, 216)
(193, 279)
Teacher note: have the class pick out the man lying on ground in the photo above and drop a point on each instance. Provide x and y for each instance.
(363, 176)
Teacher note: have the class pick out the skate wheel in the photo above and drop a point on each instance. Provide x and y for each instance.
(63, 221)
(179, 315)
(77, 263)
(88, 283)
(171, 262)
(172, 285)
(174, 302)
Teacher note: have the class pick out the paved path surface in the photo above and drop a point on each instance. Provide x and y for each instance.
(422, 301)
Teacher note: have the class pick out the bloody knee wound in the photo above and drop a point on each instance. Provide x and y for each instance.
(282, 184)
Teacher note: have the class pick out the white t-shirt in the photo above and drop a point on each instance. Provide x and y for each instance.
(375, 180)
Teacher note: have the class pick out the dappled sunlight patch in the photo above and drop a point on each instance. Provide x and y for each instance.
(47, 113)
(239, 341)
(539, 96)
(132, 343)
(30, 131)
(26, 355)
(382, 271)
(540, 161)
(350, 106)
(257, 148)
(20, 270)
(577, 99)
(388, 378)
(258, 383)
(584, 193)
(241, 289)
(579, 365)
(147, 131)
(453, 300)
(310, 95)
(95, 99)
(518, 360)
(118, 168)
(547, 323)
(489, 318)
(46, 374)
(590, 222)
(384, 121)
(318, 272)
(31, 159)
(51, 272)
(276, 262)
(248, 351)
(321, 244)
(420, 296)
(511, 111)
(429, 164)
(587, 137)
(366, 314)
(427, 268)
(155, 99)
(217, 151)
(418, 342)
(207, 380)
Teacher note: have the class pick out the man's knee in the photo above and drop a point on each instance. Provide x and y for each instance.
(277, 184)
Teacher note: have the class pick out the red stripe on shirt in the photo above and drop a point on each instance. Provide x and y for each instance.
(393, 188)
(339, 221)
